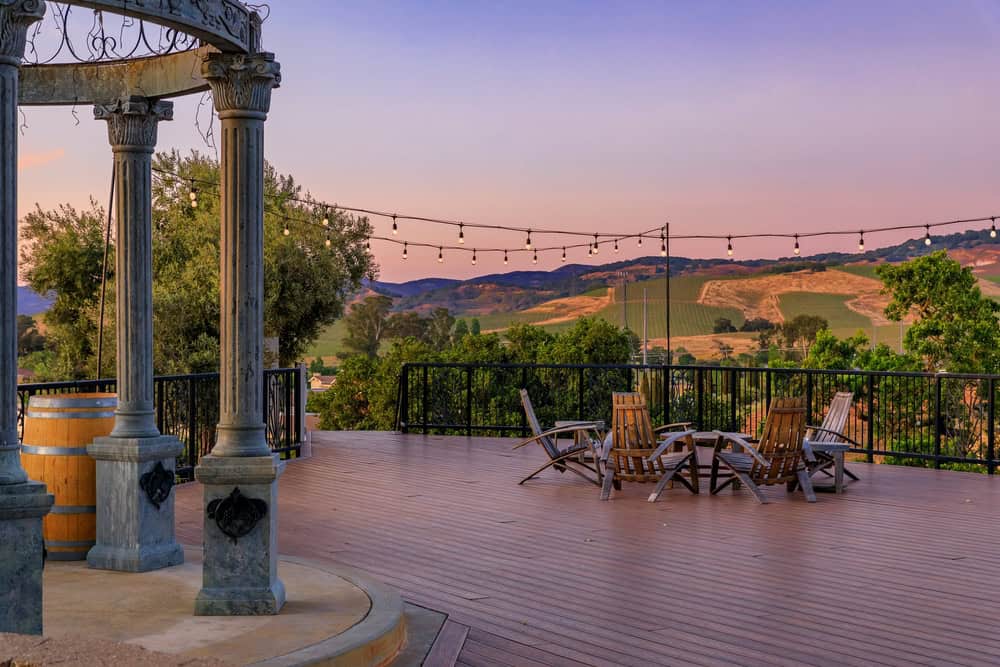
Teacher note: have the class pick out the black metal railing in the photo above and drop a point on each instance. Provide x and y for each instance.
(917, 418)
(187, 406)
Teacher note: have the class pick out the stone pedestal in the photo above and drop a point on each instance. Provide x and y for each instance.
(22, 507)
(135, 504)
(240, 573)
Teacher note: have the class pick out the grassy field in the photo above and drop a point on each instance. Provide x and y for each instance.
(866, 270)
(832, 307)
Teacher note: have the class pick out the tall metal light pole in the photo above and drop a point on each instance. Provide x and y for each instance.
(624, 276)
(666, 247)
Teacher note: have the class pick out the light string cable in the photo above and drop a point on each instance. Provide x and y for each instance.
(599, 238)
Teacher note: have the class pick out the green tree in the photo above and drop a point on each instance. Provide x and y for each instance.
(956, 328)
(367, 324)
(439, 327)
(408, 324)
(801, 331)
(474, 327)
(460, 332)
(62, 251)
(723, 325)
(28, 337)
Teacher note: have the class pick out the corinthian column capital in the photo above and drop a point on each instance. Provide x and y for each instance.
(16, 16)
(132, 121)
(241, 84)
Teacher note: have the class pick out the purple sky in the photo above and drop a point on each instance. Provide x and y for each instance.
(720, 117)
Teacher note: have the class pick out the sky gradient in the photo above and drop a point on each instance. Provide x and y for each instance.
(720, 117)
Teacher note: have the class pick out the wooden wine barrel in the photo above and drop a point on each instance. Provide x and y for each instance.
(57, 430)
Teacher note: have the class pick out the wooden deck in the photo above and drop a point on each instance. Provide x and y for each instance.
(900, 570)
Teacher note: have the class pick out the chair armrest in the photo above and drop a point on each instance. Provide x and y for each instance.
(820, 429)
(750, 449)
(665, 427)
(582, 426)
(669, 441)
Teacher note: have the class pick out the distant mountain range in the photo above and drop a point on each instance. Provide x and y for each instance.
(522, 289)
(29, 303)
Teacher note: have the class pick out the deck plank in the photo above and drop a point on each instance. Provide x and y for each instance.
(896, 571)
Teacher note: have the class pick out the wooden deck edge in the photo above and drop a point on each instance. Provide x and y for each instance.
(448, 645)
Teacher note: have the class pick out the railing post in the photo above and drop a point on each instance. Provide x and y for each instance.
(732, 400)
(579, 404)
(524, 417)
(767, 390)
(300, 403)
(403, 423)
(871, 418)
(699, 388)
(287, 410)
(468, 400)
(809, 397)
(937, 421)
(991, 418)
(424, 399)
(192, 424)
(668, 387)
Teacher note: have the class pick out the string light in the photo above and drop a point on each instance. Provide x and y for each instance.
(327, 241)
(527, 243)
(729, 246)
(797, 250)
(404, 250)
(534, 259)
(564, 255)
(927, 238)
(395, 227)
(861, 241)
(616, 245)
(473, 257)
(993, 228)
(461, 236)
(286, 231)
(368, 242)
(193, 194)
(663, 245)
(640, 240)
(597, 248)
(505, 258)
(440, 255)
(326, 217)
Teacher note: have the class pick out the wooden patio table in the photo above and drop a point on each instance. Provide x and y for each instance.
(837, 451)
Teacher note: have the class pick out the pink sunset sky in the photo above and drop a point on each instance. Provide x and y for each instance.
(720, 117)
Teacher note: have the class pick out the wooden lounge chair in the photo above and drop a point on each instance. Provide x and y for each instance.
(777, 458)
(826, 444)
(586, 438)
(636, 456)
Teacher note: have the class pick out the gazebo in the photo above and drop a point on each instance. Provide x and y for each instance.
(212, 45)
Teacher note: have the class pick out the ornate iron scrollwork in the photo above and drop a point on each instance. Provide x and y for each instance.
(236, 515)
(157, 484)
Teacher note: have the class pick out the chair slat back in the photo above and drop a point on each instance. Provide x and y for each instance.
(836, 418)
(633, 439)
(536, 428)
(781, 442)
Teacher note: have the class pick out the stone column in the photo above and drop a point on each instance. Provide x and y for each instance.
(23, 503)
(240, 475)
(135, 464)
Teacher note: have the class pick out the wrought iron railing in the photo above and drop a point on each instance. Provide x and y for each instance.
(187, 406)
(919, 418)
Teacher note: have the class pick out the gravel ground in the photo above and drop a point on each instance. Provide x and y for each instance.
(28, 651)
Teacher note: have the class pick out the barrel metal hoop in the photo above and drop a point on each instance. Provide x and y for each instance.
(54, 451)
(53, 544)
(73, 509)
(70, 415)
(42, 401)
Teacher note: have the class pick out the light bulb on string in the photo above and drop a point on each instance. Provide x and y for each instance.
(597, 248)
(505, 258)
(616, 245)
(564, 255)
(534, 259)
(797, 250)
(663, 246)
(326, 217)
(461, 234)
(993, 228)
(193, 195)
(729, 246)
(395, 227)
(927, 237)
(286, 231)
(590, 249)
(640, 239)
(405, 255)
(327, 242)
(861, 241)
(368, 242)
(527, 242)
(473, 257)
(440, 255)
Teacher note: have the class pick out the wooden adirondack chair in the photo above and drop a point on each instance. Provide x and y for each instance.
(635, 454)
(825, 444)
(586, 438)
(777, 458)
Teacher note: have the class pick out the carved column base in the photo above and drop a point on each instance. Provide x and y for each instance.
(22, 507)
(240, 571)
(135, 504)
